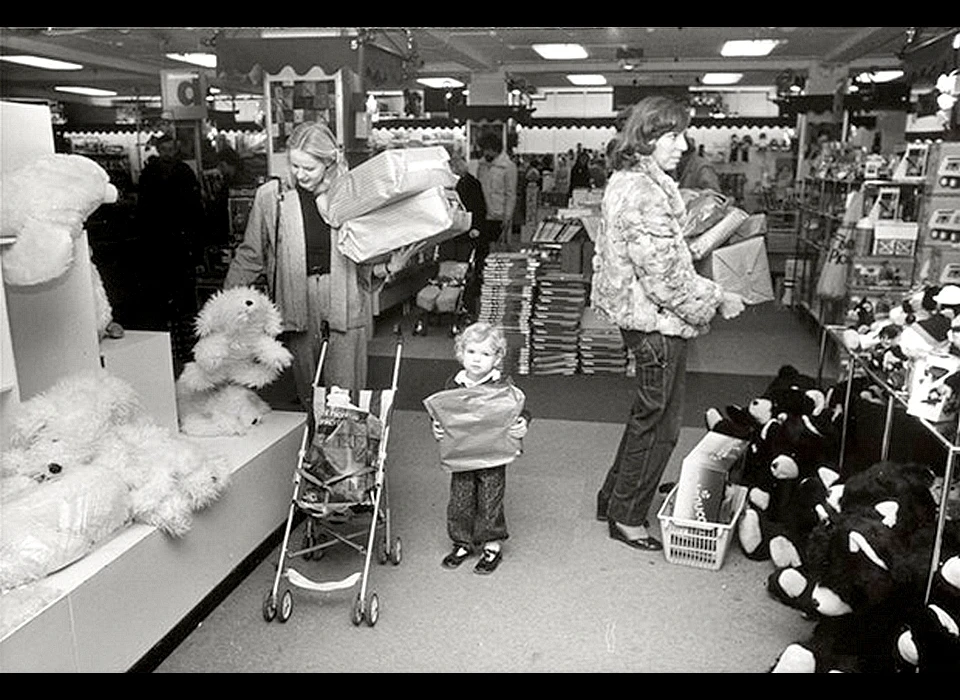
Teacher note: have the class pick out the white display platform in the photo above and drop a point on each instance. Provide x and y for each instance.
(127, 357)
(107, 610)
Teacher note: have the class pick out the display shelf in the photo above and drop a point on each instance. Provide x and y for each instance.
(946, 433)
(106, 611)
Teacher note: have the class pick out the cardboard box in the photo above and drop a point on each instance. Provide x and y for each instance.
(895, 238)
(742, 268)
(703, 477)
(930, 397)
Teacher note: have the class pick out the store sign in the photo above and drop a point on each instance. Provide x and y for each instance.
(184, 95)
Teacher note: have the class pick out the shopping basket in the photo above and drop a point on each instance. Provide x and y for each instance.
(696, 543)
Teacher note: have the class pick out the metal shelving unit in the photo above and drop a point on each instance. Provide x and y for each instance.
(898, 398)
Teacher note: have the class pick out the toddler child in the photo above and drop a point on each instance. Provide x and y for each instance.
(475, 512)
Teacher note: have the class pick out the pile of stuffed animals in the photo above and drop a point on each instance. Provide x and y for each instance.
(84, 460)
(852, 554)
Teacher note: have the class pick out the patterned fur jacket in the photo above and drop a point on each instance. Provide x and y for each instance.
(643, 274)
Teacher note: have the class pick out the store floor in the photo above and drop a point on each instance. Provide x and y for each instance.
(566, 598)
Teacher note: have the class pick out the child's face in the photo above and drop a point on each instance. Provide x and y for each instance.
(478, 358)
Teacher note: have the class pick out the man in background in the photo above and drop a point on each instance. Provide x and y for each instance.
(497, 174)
(695, 172)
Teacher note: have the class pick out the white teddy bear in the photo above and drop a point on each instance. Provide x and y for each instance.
(237, 352)
(45, 205)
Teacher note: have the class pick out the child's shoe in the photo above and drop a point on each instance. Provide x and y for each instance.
(489, 561)
(456, 557)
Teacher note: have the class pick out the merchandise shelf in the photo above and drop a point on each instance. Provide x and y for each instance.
(898, 398)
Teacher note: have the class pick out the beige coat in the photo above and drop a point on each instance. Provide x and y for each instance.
(255, 261)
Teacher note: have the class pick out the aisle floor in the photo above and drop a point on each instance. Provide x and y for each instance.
(566, 598)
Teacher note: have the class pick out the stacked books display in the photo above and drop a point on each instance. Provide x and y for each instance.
(555, 323)
(600, 345)
(506, 301)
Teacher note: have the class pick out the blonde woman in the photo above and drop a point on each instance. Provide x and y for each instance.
(290, 247)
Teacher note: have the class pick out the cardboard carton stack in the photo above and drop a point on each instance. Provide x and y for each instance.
(555, 324)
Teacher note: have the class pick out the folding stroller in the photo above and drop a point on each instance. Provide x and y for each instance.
(341, 478)
(445, 295)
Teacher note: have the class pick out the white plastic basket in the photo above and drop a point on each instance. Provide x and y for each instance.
(695, 543)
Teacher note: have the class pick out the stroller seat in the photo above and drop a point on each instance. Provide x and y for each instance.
(443, 295)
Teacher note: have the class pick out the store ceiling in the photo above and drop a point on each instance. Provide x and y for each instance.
(128, 60)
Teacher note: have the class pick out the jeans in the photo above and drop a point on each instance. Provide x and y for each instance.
(652, 428)
(475, 512)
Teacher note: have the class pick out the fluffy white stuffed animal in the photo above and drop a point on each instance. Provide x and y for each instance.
(44, 206)
(237, 353)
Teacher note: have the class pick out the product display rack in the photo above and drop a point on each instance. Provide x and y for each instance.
(947, 434)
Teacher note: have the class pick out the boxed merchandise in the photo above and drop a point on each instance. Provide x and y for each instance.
(430, 217)
(742, 268)
(895, 238)
(718, 234)
(700, 544)
(703, 477)
(931, 397)
(387, 177)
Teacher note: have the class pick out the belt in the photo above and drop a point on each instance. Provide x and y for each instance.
(317, 271)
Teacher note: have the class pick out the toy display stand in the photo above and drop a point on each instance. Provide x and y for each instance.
(106, 611)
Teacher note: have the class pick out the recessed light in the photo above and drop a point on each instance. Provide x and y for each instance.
(560, 52)
(880, 76)
(440, 83)
(204, 60)
(749, 47)
(721, 78)
(79, 90)
(41, 62)
(587, 79)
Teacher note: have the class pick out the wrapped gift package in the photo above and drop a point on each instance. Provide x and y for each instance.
(430, 217)
(719, 234)
(387, 177)
(705, 209)
(742, 268)
(703, 477)
(476, 423)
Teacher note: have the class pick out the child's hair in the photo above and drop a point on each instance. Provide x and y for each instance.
(481, 332)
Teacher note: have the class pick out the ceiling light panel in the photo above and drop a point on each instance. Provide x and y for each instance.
(721, 78)
(585, 79)
(561, 52)
(41, 62)
(749, 47)
(89, 91)
(204, 60)
(440, 83)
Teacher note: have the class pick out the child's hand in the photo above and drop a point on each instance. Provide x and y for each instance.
(437, 430)
(519, 429)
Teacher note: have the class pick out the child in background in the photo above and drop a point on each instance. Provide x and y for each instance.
(475, 513)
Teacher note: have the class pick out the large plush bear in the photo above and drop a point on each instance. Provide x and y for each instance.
(237, 352)
(83, 459)
(45, 205)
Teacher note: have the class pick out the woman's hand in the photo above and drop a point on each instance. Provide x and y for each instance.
(401, 257)
(474, 233)
(437, 430)
(519, 428)
(731, 305)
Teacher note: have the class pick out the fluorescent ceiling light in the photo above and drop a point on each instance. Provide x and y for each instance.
(880, 76)
(204, 60)
(721, 78)
(585, 79)
(440, 83)
(41, 62)
(78, 90)
(749, 47)
(560, 52)
(306, 32)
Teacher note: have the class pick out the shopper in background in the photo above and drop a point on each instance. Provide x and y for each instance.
(695, 172)
(290, 247)
(170, 218)
(475, 512)
(645, 283)
(497, 174)
(580, 173)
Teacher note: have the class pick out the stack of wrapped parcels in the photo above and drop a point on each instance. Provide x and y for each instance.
(397, 198)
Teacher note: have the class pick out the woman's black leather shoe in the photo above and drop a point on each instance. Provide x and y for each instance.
(646, 544)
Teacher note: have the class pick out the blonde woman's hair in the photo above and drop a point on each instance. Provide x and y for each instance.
(481, 332)
(318, 140)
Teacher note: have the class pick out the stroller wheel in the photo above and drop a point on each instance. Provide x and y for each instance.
(373, 610)
(420, 328)
(269, 607)
(286, 606)
(396, 553)
(356, 615)
(382, 554)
